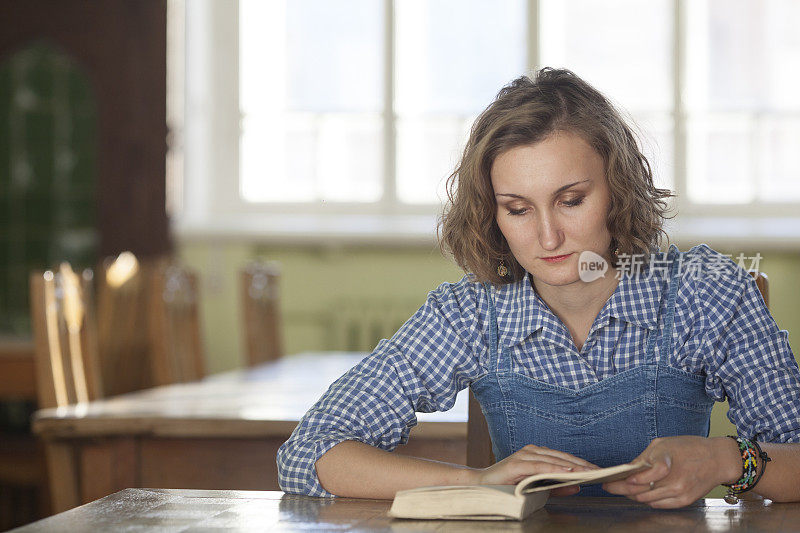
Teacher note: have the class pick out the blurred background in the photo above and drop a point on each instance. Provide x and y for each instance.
(320, 134)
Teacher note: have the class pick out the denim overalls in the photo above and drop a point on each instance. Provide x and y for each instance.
(608, 422)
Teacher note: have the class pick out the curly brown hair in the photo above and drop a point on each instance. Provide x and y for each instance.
(525, 112)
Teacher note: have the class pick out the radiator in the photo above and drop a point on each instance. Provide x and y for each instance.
(358, 324)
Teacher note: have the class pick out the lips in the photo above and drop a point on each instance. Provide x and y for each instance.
(556, 258)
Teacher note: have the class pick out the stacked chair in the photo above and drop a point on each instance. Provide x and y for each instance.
(176, 348)
(65, 337)
(260, 301)
(122, 300)
(131, 325)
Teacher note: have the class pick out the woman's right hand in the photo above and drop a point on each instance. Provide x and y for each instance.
(531, 460)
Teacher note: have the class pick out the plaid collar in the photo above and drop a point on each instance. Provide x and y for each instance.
(521, 312)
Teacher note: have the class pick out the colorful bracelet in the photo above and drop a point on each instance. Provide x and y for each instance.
(750, 474)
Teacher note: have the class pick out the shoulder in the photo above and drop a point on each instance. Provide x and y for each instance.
(713, 270)
(710, 260)
(445, 333)
(458, 308)
(715, 283)
(465, 296)
(461, 308)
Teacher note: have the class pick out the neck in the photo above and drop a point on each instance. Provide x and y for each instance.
(580, 297)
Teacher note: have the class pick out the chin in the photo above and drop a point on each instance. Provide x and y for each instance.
(556, 279)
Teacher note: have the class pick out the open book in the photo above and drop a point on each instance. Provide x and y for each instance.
(498, 502)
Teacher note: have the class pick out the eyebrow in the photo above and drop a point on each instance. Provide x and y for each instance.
(556, 192)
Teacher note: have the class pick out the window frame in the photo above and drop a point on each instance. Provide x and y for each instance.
(212, 206)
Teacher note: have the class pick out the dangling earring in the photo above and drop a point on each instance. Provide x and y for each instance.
(616, 251)
(502, 269)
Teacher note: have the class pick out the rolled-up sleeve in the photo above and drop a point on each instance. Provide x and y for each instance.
(749, 359)
(435, 354)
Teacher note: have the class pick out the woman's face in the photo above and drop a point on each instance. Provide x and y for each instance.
(552, 200)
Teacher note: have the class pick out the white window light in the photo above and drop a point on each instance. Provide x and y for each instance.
(361, 107)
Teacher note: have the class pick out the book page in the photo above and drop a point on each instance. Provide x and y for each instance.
(555, 480)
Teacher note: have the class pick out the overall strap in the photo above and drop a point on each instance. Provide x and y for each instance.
(650, 351)
(494, 338)
(665, 351)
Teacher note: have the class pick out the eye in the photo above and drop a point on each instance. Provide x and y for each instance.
(574, 202)
(516, 212)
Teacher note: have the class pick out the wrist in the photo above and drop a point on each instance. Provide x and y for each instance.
(469, 476)
(728, 458)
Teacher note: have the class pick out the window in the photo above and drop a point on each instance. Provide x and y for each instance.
(592, 38)
(366, 101)
(363, 106)
(312, 99)
(741, 107)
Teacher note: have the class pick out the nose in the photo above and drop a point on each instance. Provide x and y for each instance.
(550, 235)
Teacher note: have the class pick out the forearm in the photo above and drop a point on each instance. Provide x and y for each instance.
(357, 470)
(781, 479)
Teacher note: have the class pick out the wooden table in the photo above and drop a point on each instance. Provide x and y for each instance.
(218, 510)
(219, 433)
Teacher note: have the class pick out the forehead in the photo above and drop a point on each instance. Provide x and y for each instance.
(560, 158)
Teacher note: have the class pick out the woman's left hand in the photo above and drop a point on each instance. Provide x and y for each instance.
(683, 470)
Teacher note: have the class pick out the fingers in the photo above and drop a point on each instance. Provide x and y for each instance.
(540, 450)
(666, 497)
(656, 494)
(623, 488)
(531, 460)
(548, 459)
(640, 493)
(640, 482)
(680, 473)
(672, 503)
(657, 488)
(658, 471)
(522, 468)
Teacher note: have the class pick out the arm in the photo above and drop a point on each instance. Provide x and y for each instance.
(748, 359)
(685, 468)
(780, 478)
(432, 356)
(342, 445)
(356, 470)
(760, 377)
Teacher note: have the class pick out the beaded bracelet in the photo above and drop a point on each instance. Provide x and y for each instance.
(750, 452)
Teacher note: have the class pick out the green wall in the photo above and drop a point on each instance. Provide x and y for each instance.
(316, 279)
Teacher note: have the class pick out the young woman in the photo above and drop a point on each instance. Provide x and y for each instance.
(570, 373)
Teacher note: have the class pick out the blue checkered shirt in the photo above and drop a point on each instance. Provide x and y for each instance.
(722, 331)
